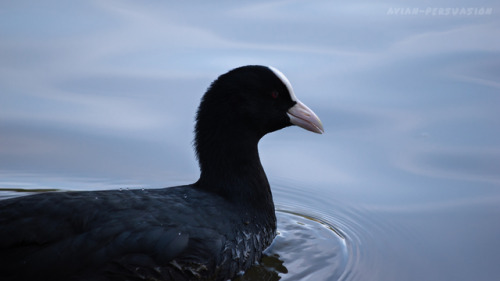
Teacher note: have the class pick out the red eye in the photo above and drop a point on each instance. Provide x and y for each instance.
(275, 94)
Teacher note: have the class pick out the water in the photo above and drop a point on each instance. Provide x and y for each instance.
(404, 184)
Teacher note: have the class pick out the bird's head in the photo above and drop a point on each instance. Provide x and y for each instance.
(253, 100)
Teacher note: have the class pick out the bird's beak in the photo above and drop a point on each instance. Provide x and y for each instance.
(304, 117)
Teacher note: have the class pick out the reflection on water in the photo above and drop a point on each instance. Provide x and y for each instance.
(304, 249)
(270, 268)
(309, 248)
(407, 171)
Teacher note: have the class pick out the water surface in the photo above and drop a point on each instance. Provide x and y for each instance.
(404, 184)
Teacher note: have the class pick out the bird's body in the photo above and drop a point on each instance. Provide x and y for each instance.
(122, 234)
(209, 230)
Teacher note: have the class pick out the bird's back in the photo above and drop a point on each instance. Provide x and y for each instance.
(166, 234)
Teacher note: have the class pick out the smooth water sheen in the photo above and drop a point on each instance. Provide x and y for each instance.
(403, 185)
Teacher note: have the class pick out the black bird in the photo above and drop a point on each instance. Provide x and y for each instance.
(209, 230)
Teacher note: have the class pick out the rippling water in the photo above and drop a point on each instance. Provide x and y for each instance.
(404, 184)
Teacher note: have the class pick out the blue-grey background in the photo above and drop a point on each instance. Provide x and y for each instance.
(102, 94)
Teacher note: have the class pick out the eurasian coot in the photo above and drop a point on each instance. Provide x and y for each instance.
(212, 229)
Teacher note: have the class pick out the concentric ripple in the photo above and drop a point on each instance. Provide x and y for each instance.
(322, 239)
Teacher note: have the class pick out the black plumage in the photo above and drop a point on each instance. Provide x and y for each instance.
(211, 229)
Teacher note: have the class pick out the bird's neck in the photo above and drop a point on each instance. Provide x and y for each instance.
(230, 166)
